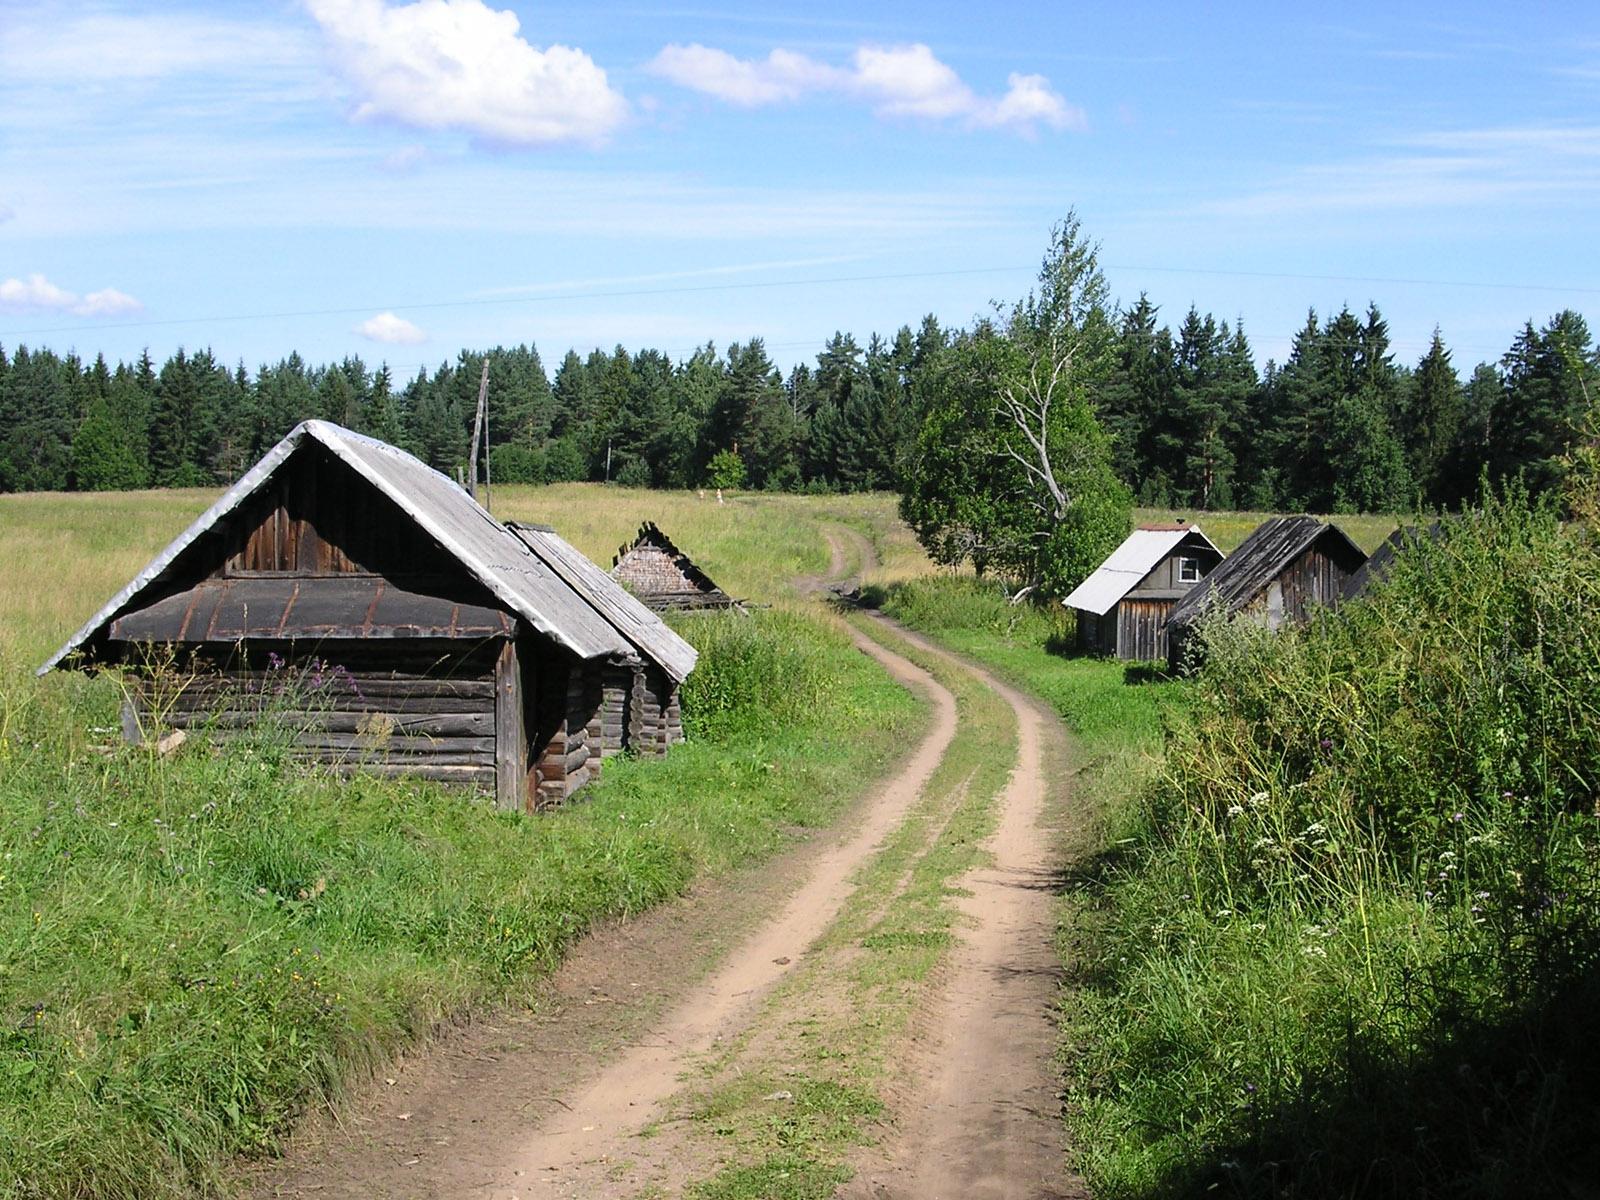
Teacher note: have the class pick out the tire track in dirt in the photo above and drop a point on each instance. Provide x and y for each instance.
(982, 1118)
(571, 1153)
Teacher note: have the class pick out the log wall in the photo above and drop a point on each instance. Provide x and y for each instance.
(402, 710)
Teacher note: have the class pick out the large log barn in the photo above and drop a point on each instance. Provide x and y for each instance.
(1286, 568)
(390, 625)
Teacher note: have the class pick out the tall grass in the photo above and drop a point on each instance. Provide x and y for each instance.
(194, 948)
(1353, 948)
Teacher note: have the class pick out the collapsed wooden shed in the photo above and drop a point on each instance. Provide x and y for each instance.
(1123, 606)
(663, 576)
(390, 624)
(1283, 570)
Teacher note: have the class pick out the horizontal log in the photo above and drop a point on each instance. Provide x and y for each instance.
(576, 758)
(365, 691)
(468, 724)
(439, 772)
(577, 779)
(200, 704)
(360, 742)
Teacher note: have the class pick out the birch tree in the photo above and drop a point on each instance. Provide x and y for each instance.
(1013, 471)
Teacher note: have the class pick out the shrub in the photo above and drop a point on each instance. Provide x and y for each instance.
(757, 673)
(1355, 948)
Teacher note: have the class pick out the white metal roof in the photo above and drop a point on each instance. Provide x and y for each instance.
(491, 553)
(1127, 565)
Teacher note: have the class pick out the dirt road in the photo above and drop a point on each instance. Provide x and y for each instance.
(553, 1104)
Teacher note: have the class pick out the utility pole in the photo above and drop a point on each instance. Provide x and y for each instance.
(477, 430)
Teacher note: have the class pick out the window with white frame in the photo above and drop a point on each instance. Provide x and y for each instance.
(1188, 570)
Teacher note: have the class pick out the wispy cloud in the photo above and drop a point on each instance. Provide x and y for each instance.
(1440, 170)
(562, 285)
(391, 330)
(38, 294)
(905, 81)
(98, 47)
(459, 64)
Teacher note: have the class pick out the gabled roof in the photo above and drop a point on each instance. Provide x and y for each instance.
(611, 600)
(486, 549)
(1245, 573)
(705, 593)
(1130, 562)
(1377, 567)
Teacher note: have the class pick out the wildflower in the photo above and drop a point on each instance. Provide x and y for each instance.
(1458, 817)
(1235, 810)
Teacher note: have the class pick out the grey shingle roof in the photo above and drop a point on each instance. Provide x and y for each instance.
(1245, 573)
(548, 600)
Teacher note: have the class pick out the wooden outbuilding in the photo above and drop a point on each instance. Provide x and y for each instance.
(389, 624)
(1376, 568)
(1283, 570)
(663, 576)
(1123, 606)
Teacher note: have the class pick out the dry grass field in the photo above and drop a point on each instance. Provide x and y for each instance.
(63, 555)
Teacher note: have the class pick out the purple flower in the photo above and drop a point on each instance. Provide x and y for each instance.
(1458, 817)
(1326, 744)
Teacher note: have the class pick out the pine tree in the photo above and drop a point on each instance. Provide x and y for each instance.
(1433, 419)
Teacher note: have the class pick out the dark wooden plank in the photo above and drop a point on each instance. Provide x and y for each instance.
(416, 724)
(442, 773)
(511, 738)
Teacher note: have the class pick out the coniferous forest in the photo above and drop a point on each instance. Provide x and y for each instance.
(1341, 426)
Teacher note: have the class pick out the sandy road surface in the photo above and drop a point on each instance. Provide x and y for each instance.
(983, 1118)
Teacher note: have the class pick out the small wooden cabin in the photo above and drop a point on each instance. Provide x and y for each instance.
(1283, 570)
(663, 576)
(1123, 606)
(351, 592)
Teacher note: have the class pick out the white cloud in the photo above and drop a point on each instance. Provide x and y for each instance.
(782, 75)
(459, 64)
(1454, 169)
(391, 330)
(897, 81)
(107, 302)
(38, 294)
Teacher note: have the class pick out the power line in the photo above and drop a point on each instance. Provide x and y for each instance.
(482, 302)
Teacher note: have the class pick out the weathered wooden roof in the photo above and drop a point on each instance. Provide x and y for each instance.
(1376, 567)
(702, 592)
(351, 606)
(643, 628)
(490, 553)
(1245, 573)
(1130, 562)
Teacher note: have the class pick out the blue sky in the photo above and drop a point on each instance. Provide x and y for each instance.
(402, 180)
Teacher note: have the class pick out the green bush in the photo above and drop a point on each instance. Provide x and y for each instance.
(758, 673)
(1353, 945)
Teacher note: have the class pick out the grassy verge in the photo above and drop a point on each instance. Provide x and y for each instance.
(789, 1101)
(193, 949)
(1352, 947)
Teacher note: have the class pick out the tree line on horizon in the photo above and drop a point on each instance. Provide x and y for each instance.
(1339, 426)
